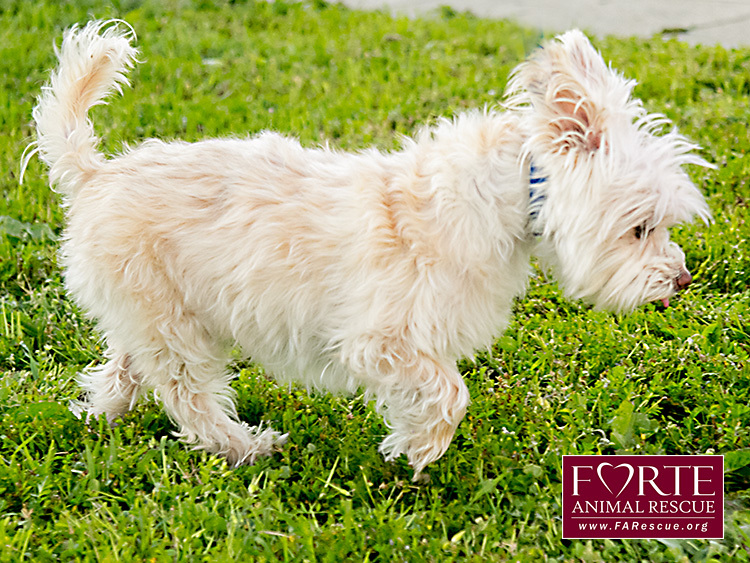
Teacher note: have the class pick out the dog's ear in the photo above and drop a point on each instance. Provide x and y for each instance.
(567, 84)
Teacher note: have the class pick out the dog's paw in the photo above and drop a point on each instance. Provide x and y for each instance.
(258, 442)
(428, 446)
(421, 448)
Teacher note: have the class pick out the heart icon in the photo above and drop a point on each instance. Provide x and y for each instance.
(630, 469)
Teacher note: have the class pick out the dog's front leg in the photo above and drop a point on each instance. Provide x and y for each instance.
(423, 400)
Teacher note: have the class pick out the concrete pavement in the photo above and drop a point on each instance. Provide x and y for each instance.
(707, 22)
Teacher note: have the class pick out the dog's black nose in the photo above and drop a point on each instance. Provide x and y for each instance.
(684, 280)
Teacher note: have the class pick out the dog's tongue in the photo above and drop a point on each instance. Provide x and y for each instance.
(666, 302)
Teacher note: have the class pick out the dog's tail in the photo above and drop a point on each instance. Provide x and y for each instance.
(92, 63)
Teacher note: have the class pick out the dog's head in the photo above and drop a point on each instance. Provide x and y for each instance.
(607, 185)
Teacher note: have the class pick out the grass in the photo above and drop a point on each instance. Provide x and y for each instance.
(563, 379)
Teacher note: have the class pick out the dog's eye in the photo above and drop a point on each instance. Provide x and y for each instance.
(641, 231)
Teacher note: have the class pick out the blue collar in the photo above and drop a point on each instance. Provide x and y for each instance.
(536, 196)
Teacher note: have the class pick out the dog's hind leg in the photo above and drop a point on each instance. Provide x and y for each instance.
(112, 388)
(198, 399)
(191, 380)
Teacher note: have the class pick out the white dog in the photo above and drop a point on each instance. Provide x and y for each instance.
(348, 271)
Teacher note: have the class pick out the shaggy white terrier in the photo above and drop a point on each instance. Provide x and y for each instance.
(348, 271)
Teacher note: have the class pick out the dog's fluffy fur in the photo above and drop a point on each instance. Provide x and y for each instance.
(370, 270)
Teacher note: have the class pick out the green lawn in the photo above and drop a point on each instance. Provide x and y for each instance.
(564, 379)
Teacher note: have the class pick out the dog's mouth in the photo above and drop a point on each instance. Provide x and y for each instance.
(665, 302)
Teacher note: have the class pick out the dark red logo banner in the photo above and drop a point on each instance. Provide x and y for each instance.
(643, 496)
